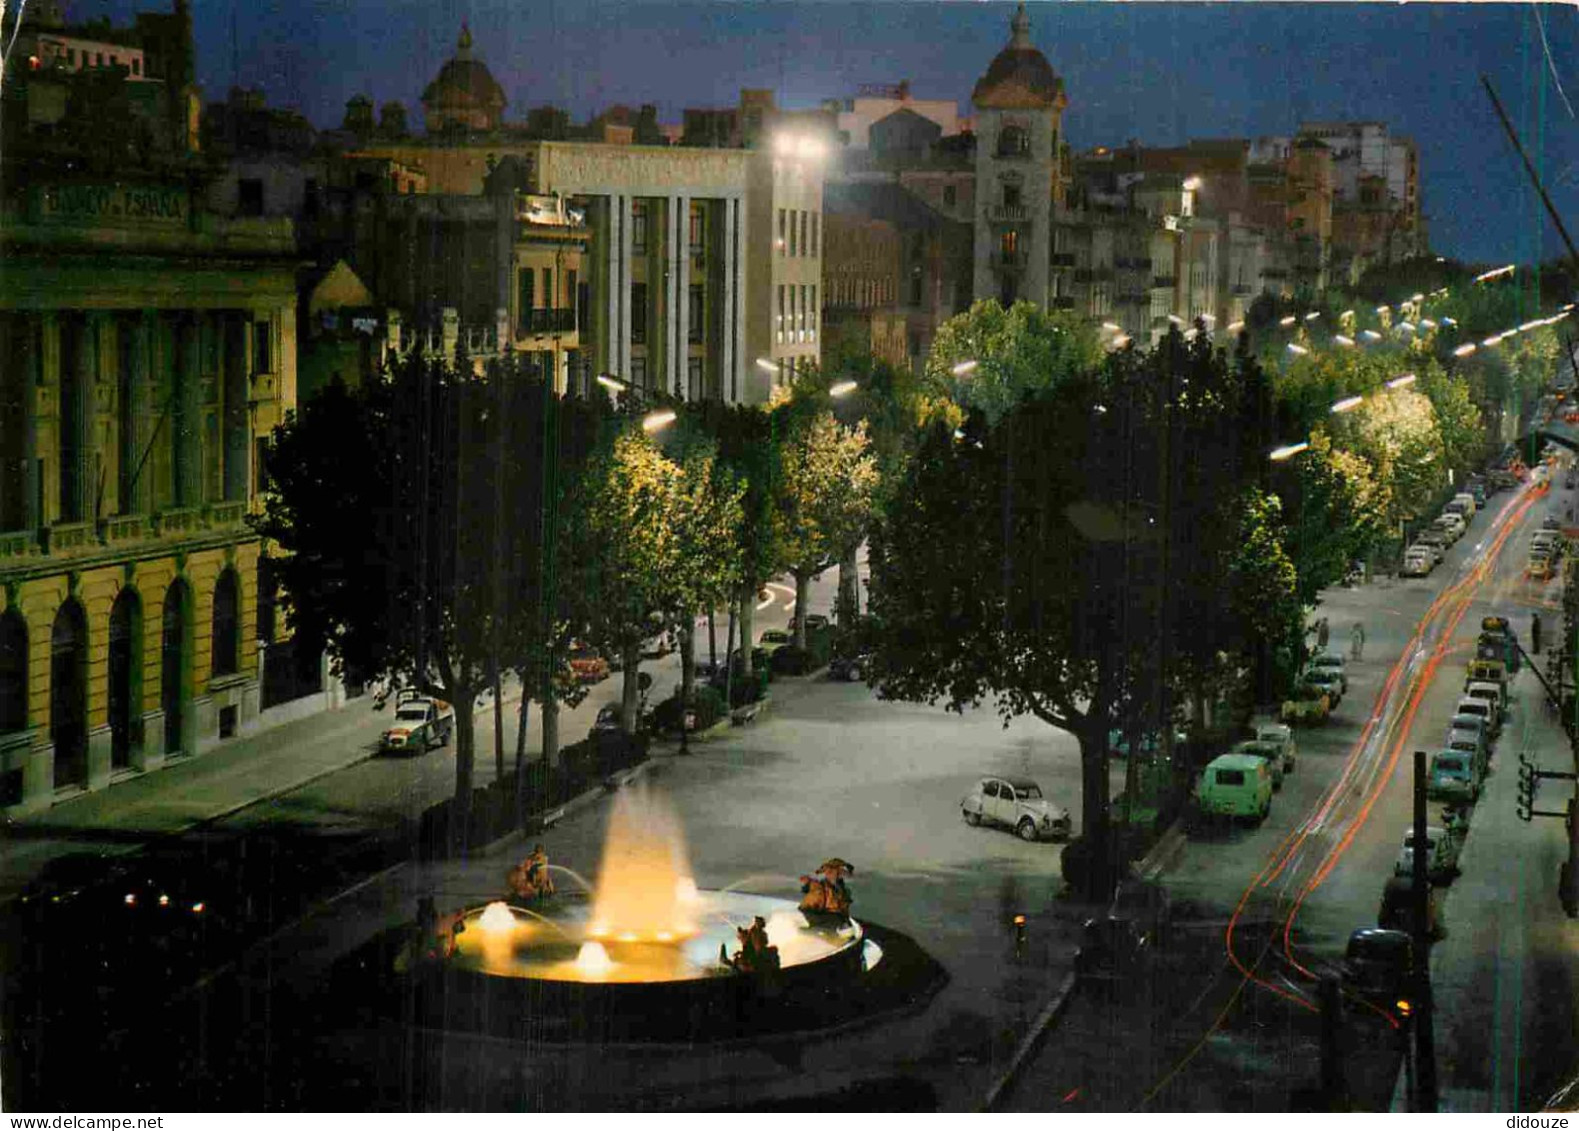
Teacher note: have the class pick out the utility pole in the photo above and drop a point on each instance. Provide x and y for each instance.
(1425, 1040)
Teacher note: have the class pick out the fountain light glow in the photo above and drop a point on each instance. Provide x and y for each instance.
(496, 919)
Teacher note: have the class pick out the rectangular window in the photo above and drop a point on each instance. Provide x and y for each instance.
(71, 55)
(696, 322)
(639, 228)
(137, 66)
(583, 306)
(693, 378)
(781, 231)
(98, 58)
(805, 247)
(794, 233)
(779, 325)
(801, 323)
(260, 465)
(698, 231)
(572, 295)
(548, 288)
(639, 372)
(525, 298)
(812, 315)
(639, 313)
(816, 248)
(249, 197)
(262, 348)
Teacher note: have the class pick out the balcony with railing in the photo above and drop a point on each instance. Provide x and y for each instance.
(545, 320)
(1063, 259)
(1008, 213)
(18, 543)
(1160, 282)
(1130, 263)
(66, 537)
(124, 528)
(232, 512)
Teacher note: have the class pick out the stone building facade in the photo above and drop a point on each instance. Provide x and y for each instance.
(146, 349)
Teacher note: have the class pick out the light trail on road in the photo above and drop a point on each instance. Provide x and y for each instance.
(1366, 772)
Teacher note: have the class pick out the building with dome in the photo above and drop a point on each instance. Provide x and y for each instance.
(1019, 104)
(464, 96)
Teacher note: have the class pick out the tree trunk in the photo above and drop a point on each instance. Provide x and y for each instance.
(849, 587)
(520, 759)
(712, 640)
(498, 724)
(748, 610)
(802, 584)
(550, 733)
(630, 693)
(1094, 800)
(729, 666)
(465, 762)
(687, 663)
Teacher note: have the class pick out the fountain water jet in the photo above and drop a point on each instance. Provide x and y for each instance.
(645, 920)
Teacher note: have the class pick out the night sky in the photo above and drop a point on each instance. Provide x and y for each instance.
(1158, 73)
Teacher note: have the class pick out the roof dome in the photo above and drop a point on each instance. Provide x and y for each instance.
(465, 92)
(1020, 77)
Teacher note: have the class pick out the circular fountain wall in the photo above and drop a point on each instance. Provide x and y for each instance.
(565, 941)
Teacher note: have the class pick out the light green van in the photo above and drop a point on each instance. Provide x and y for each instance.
(1236, 785)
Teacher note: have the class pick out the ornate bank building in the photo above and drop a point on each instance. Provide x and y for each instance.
(146, 348)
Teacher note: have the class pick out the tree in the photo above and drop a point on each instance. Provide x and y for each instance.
(383, 501)
(1017, 351)
(707, 511)
(624, 521)
(1396, 433)
(823, 499)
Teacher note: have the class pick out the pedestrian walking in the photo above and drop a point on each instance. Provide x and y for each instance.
(1322, 633)
(1357, 640)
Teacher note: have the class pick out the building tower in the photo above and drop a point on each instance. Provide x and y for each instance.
(1019, 106)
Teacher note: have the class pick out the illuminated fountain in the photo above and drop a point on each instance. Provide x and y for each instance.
(646, 922)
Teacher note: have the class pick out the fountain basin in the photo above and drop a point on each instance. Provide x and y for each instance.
(562, 941)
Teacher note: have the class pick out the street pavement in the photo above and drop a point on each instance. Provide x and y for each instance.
(1200, 1034)
(834, 771)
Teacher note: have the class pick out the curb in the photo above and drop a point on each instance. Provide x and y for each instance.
(1050, 1013)
(1163, 855)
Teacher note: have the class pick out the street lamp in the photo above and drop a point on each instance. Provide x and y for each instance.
(613, 385)
(842, 388)
(656, 420)
(964, 368)
(1347, 403)
(1343, 339)
(1295, 348)
(1288, 450)
(1401, 382)
(1465, 350)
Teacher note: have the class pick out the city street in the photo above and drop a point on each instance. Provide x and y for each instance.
(833, 771)
(1221, 1041)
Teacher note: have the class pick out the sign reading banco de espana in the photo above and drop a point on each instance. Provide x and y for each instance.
(144, 204)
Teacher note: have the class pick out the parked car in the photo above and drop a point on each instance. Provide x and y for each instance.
(1452, 777)
(588, 666)
(850, 668)
(1235, 785)
(1282, 737)
(1454, 523)
(1397, 909)
(1018, 804)
(1484, 710)
(773, 639)
(1539, 567)
(1418, 562)
(1378, 965)
(1329, 681)
(1269, 752)
(1436, 551)
(1441, 855)
(815, 622)
(1307, 705)
(1331, 662)
(1465, 501)
(1551, 522)
(1472, 746)
(1487, 691)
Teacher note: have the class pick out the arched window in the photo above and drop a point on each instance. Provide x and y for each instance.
(13, 672)
(227, 626)
(68, 694)
(125, 677)
(1013, 141)
(174, 664)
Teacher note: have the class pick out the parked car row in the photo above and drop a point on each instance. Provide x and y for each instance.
(1240, 783)
(1428, 549)
(1318, 691)
(1547, 547)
